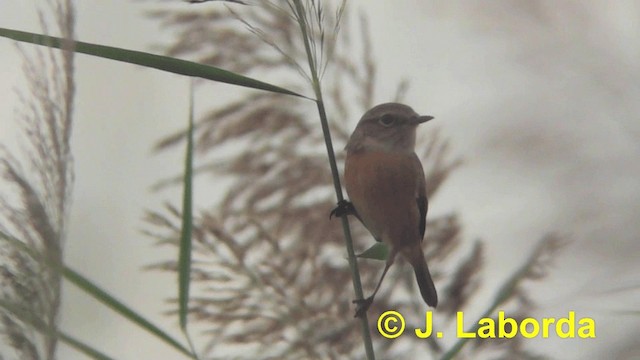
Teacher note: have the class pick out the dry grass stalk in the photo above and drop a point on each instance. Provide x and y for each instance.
(37, 209)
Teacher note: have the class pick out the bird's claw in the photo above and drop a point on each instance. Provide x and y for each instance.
(362, 305)
(344, 208)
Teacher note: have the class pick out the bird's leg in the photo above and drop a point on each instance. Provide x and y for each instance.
(362, 305)
(344, 208)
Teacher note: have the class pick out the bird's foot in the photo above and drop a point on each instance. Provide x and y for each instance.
(344, 208)
(362, 305)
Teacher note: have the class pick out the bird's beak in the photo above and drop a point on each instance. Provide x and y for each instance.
(423, 119)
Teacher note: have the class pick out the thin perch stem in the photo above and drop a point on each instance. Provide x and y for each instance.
(353, 263)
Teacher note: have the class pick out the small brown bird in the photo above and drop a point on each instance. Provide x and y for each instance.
(386, 185)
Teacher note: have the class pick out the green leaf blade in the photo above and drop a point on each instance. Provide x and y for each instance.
(164, 63)
(184, 258)
(378, 251)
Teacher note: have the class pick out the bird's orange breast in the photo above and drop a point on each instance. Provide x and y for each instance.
(382, 188)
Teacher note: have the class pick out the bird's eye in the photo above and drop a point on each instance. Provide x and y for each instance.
(386, 120)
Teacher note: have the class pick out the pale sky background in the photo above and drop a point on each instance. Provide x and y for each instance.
(542, 99)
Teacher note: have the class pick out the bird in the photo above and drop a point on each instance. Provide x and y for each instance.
(385, 183)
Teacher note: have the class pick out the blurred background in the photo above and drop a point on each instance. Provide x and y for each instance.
(539, 100)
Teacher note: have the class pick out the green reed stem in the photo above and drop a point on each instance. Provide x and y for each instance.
(353, 263)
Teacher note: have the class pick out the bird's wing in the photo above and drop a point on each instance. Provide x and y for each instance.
(421, 196)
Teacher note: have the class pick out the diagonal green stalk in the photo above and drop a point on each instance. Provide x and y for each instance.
(97, 293)
(42, 327)
(353, 263)
(119, 307)
(165, 63)
(80, 346)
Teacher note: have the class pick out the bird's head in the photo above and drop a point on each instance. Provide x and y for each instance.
(389, 127)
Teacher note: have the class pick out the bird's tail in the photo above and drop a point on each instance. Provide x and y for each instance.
(425, 283)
